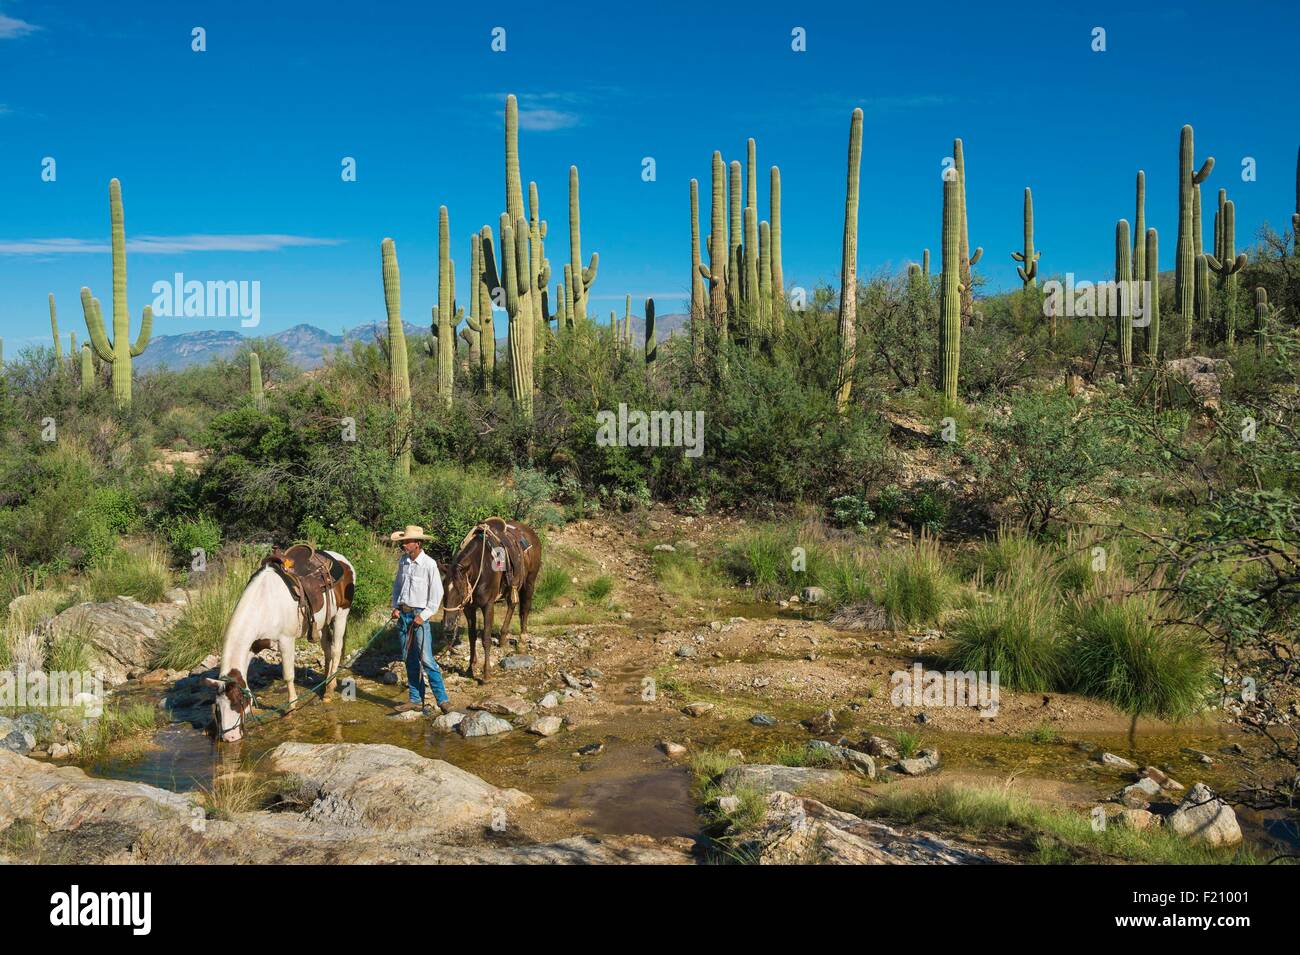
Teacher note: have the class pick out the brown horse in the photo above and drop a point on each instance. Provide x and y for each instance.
(497, 560)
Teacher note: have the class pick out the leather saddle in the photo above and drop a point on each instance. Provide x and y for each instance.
(498, 532)
(310, 576)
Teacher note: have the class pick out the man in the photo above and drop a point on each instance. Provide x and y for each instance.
(417, 594)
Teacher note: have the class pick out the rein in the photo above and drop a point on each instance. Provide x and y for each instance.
(482, 554)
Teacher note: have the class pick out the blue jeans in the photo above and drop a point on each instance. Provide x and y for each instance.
(420, 656)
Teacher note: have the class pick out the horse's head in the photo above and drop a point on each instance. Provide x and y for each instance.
(233, 702)
(457, 590)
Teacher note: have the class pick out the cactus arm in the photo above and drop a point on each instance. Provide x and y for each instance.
(146, 332)
(95, 325)
(54, 328)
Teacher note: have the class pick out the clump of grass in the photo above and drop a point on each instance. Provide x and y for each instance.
(199, 630)
(849, 578)
(1016, 634)
(600, 588)
(1041, 734)
(552, 584)
(794, 754)
(1058, 835)
(916, 583)
(907, 744)
(17, 642)
(69, 651)
(139, 572)
(233, 793)
(116, 723)
(1126, 657)
(685, 576)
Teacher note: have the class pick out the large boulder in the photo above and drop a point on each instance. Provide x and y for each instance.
(389, 788)
(799, 831)
(1203, 376)
(1204, 817)
(123, 635)
(767, 778)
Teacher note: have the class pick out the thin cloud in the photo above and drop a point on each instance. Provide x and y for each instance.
(546, 120)
(12, 27)
(166, 244)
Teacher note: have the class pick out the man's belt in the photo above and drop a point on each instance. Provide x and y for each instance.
(405, 609)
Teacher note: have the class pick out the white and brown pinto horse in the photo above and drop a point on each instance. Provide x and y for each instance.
(269, 614)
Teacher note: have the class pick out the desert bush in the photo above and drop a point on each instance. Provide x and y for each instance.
(184, 534)
(141, 572)
(374, 564)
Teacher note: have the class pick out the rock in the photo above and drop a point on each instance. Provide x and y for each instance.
(591, 749)
(1204, 817)
(672, 749)
(571, 681)
(798, 830)
(388, 678)
(18, 741)
(447, 722)
(1155, 774)
(698, 709)
(407, 716)
(728, 804)
(686, 651)
(592, 673)
(177, 595)
(1203, 376)
(736, 755)
(121, 634)
(504, 706)
(858, 762)
(812, 595)
(80, 819)
(546, 725)
(879, 746)
(923, 762)
(1137, 818)
(665, 548)
(771, 778)
(762, 719)
(822, 724)
(1116, 762)
(923, 717)
(549, 702)
(482, 723)
(518, 661)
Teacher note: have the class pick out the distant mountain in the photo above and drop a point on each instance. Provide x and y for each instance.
(308, 345)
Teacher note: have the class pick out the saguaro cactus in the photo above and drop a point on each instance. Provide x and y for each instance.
(765, 301)
(87, 367)
(968, 259)
(1185, 255)
(255, 379)
(517, 263)
(54, 329)
(1151, 297)
(1201, 302)
(1261, 316)
(651, 346)
(473, 331)
(541, 272)
(848, 319)
(1124, 280)
(119, 351)
(1226, 264)
(582, 278)
(749, 304)
(697, 279)
(778, 276)
(446, 326)
(1139, 238)
(487, 283)
(716, 271)
(399, 381)
(1028, 271)
(950, 291)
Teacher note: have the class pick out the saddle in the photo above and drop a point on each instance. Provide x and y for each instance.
(498, 532)
(310, 576)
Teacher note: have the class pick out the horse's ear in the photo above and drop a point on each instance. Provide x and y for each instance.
(215, 684)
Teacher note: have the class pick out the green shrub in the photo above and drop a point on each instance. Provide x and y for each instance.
(849, 510)
(600, 588)
(374, 564)
(139, 572)
(184, 534)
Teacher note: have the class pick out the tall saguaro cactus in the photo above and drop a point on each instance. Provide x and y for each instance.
(446, 327)
(765, 311)
(1139, 238)
(119, 351)
(1151, 297)
(255, 379)
(517, 264)
(1201, 302)
(1185, 255)
(1261, 316)
(778, 276)
(487, 282)
(1124, 280)
(697, 279)
(582, 278)
(968, 258)
(1028, 271)
(950, 291)
(399, 380)
(848, 318)
(87, 368)
(651, 346)
(54, 330)
(1226, 264)
(716, 271)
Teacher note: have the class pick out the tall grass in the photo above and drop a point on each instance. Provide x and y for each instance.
(916, 583)
(1016, 634)
(685, 576)
(552, 584)
(198, 631)
(1125, 656)
(141, 572)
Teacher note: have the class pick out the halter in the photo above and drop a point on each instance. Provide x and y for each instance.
(246, 698)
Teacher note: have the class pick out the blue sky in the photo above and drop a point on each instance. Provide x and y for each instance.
(240, 147)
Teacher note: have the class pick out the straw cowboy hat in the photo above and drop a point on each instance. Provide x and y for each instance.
(413, 532)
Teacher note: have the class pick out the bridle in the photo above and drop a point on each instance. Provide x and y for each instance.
(455, 566)
(246, 699)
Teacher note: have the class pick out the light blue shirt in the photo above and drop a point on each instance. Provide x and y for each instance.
(418, 584)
